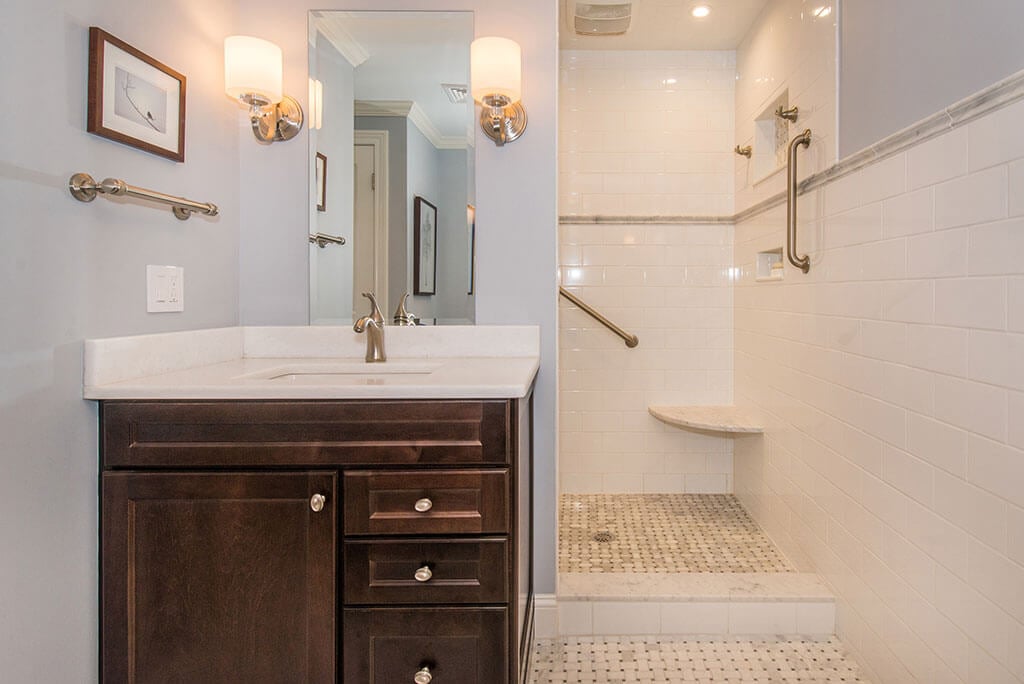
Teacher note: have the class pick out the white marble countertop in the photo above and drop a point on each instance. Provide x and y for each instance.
(472, 362)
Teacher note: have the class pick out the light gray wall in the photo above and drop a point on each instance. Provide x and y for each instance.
(902, 61)
(453, 239)
(71, 271)
(331, 267)
(424, 178)
(398, 251)
(516, 207)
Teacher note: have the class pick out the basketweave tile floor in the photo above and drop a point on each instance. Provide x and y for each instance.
(768, 659)
(656, 533)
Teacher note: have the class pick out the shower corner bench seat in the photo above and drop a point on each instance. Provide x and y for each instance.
(723, 419)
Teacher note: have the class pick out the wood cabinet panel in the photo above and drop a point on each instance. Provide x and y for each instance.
(461, 502)
(458, 645)
(154, 434)
(211, 577)
(460, 571)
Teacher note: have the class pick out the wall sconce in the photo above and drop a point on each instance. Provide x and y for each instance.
(252, 75)
(496, 76)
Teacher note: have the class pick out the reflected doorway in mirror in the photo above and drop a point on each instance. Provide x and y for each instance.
(424, 247)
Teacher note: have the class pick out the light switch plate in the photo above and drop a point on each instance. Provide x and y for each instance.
(165, 289)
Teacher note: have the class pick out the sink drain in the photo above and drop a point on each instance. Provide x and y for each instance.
(603, 537)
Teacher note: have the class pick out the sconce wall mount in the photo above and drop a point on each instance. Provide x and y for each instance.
(496, 76)
(253, 76)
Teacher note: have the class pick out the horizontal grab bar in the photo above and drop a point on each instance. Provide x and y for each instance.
(630, 340)
(84, 189)
(321, 240)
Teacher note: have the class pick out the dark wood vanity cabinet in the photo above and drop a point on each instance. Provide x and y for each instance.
(316, 541)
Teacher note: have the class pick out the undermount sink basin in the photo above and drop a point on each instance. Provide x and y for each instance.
(319, 372)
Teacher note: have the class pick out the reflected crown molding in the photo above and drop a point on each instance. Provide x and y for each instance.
(413, 112)
(332, 29)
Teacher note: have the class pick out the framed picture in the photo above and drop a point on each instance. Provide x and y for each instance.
(321, 182)
(424, 261)
(471, 226)
(134, 99)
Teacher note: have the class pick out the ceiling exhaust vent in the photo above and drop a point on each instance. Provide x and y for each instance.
(456, 93)
(601, 17)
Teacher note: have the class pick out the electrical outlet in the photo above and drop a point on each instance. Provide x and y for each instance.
(165, 289)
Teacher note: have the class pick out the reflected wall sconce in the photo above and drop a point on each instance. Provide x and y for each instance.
(316, 104)
(253, 76)
(496, 74)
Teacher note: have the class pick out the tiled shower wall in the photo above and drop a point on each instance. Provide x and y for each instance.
(669, 286)
(645, 134)
(892, 376)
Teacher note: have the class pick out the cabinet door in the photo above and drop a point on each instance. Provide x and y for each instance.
(215, 577)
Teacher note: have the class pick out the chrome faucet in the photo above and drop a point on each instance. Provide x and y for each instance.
(403, 316)
(373, 324)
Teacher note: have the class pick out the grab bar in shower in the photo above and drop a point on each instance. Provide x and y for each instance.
(630, 340)
(84, 189)
(801, 262)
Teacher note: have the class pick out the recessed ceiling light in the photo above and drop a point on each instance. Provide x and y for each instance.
(700, 11)
(669, 81)
(821, 12)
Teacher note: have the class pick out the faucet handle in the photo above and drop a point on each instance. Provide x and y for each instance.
(375, 314)
(402, 315)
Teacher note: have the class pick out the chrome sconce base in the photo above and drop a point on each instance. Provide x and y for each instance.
(273, 122)
(503, 123)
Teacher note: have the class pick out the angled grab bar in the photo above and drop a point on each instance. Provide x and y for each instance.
(801, 262)
(630, 340)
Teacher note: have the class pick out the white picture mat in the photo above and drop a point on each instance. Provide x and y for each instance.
(114, 57)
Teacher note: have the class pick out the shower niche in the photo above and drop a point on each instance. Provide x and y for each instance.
(771, 136)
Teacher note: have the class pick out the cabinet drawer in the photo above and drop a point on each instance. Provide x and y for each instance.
(441, 571)
(176, 434)
(452, 502)
(456, 645)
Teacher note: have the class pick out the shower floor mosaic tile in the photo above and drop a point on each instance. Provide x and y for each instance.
(769, 659)
(662, 533)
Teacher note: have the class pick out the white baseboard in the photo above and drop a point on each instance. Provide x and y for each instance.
(545, 616)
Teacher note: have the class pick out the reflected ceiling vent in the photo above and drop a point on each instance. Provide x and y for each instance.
(456, 93)
(601, 17)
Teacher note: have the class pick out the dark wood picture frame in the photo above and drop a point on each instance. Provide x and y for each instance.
(424, 247)
(321, 182)
(105, 102)
(471, 220)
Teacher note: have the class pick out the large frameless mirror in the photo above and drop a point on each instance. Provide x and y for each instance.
(391, 165)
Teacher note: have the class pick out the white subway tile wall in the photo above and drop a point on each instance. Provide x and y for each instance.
(892, 378)
(645, 133)
(791, 48)
(670, 285)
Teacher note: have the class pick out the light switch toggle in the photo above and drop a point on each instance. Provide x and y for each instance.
(165, 289)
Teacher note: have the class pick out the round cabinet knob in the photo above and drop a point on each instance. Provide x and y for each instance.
(423, 505)
(423, 575)
(423, 676)
(316, 502)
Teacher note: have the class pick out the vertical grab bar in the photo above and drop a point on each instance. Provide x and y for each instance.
(801, 262)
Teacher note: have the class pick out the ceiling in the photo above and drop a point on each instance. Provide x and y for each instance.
(408, 55)
(669, 25)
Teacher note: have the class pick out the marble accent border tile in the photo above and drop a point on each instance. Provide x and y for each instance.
(693, 586)
(576, 219)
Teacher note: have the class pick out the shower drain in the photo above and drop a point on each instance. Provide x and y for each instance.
(603, 537)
